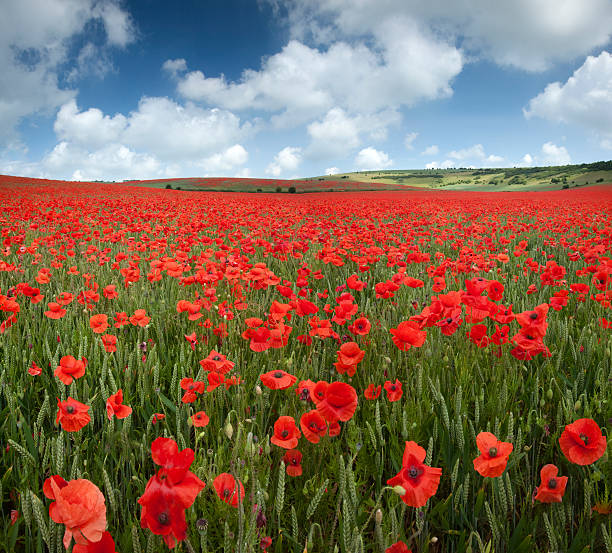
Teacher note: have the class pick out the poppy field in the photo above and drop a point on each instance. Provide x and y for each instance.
(395, 371)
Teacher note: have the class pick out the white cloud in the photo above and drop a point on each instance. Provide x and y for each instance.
(446, 164)
(332, 171)
(431, 150)
(35, 39)
(370, 159)
(475, 154)
(585, 100)
(522, 33)
(409, 140)
(475, 151)
(554, 155)
(161, 138)
(527, 160)
(117, 23)
(174, 67)
(288, 159)
(228, 160)
(338, 133)
(404, 65)
(111, 162)
(90, 128)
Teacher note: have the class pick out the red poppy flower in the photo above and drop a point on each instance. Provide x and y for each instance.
(34, 369)
(394, 390)
(278, 380)
(114, 406)
(79, 504)
(110, 292)
(293, 462)
(313, 426)
(317, 392)
(157, 417)
(98, 323)
(349, 356)
(139, 318)
(105, 545)
(69, 369)
(339, 403)
(552, 487)
(121, 319)
(72, 414)
(303, 389)
(419, 481)
(109, 342)
(55, 311)
(216, 362)
(372, 392)
(163, 512)
(582, 442)
(286, 433)
(408, 334)
(398, 547)
(225, 486)
(191, 387)
(360, 327)
(494, 455)
(200, 419)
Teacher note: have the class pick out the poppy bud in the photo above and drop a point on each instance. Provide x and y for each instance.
(228, 429)
(577, 406)
(549, 394)
(258, 390)
(378, 517)
(399, 490)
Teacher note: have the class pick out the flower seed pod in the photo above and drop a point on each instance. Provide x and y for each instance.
(378, 517)
(229, 430)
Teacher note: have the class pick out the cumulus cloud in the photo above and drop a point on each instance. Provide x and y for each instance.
(521, 33)
(228, 160)
(446, 164)
(527, 160)
(370, 159)
(554, 155)
(475, 151)
(338, 133)
(406, 64)
(35, 38)
(161, 138)
(332, 171)
(475, 154)
(288, 159)
(431, 150)
(584, 100)
(409, 140)
(174, 67)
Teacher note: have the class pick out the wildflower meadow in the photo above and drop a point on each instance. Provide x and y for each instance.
(341, 372)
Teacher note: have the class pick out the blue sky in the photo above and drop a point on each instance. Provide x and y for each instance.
(110, 89)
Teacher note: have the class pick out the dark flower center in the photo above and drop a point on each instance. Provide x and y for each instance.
(305, 395)
(278, 374)
(413, 472)
(552, 483)
(226, 492)
(294, 461)
(70, 409)
(393, 388)
(584, 438)
(285, 433)
(216, 358)
(163, 519)
(492, 452)
(533, 316)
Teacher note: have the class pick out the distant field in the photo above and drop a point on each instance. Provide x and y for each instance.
(230, 184)
(508, 179)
